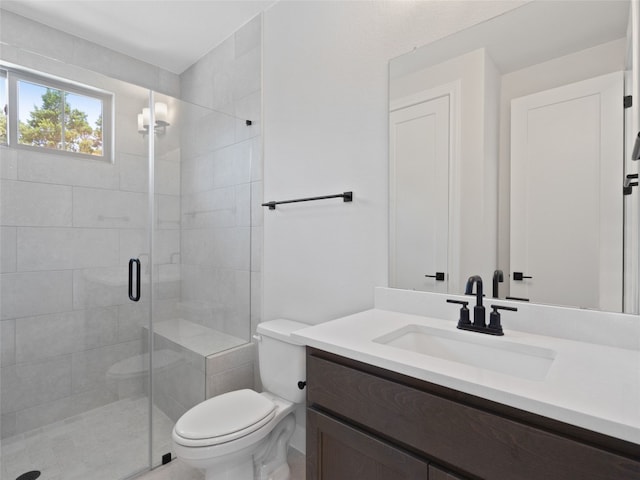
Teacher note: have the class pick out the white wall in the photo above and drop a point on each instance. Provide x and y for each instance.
(326, 129)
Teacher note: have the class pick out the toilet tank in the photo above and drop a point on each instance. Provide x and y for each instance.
(281, 359)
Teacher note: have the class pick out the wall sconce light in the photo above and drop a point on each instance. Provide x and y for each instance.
(161, 123)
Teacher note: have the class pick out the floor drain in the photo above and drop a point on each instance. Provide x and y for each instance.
(32, 475)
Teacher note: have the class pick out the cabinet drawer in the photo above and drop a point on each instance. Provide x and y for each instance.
(465, 439)
(336, 451)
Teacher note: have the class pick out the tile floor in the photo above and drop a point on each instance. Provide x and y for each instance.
(107, 443)
(179, 471)
(84, 447)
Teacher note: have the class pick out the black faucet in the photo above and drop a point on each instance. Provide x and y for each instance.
(478, 310)
(498, 277)
(479, 325)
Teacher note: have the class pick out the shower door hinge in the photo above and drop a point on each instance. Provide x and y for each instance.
(628, 101)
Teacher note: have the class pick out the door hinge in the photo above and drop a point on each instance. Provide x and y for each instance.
(628, 101)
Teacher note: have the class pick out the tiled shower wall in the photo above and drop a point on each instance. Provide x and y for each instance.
(58, 344)
(69, 227)
(222, 186)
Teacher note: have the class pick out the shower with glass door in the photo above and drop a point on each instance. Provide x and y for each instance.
(125, 264)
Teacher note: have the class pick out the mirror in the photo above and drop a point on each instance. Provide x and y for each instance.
(507, 154)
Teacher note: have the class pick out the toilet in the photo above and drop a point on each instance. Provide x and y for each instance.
(244, 435)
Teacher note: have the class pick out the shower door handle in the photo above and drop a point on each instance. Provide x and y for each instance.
(135, 297)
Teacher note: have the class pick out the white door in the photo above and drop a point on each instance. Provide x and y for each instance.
(566, 194)
(419, 156)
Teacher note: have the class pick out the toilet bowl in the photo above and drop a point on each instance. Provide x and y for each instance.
(244, 435)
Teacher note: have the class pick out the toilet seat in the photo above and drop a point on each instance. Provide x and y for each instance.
(224, 418)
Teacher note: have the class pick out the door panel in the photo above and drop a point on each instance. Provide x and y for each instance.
(419, 142)
(567, 144)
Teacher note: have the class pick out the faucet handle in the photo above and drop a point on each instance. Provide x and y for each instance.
(464, 312)
(494, 319)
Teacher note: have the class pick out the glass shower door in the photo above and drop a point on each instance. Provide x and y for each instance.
(75, 375)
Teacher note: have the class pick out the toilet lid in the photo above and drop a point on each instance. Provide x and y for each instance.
(228, 416)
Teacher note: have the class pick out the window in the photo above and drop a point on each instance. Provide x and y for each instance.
(46, 113)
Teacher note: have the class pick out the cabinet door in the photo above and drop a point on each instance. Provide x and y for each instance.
(336, 451)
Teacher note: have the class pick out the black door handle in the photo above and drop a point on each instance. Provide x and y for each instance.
(519, 276)
(439, 276)
(135, 297)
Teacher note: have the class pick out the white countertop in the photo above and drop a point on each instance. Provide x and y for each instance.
(593, 386)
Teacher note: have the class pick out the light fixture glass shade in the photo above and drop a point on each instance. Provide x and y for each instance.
(141, 128)
(146, 115)
(161, 113)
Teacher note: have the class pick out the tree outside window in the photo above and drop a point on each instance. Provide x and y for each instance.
(61, 121)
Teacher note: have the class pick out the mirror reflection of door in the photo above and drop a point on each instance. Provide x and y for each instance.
(419, 159)
(566, 196)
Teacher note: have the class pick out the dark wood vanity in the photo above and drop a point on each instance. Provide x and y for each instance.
(368, 423)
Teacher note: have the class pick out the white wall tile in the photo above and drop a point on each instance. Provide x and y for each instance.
(66, 248)
(167, 177)
(8, 163)
(230, 380)
(213, 208)
(167, 245)
(90, 367)
(132, 317)
(243, 205)
(109, 209)
(8, 426)
(8, 255)
(247, 73)
(37, 37)
(7, 342)
(36, 293)
(60, 169)
(167, 211)
(249, 37)
(219, 247)
(35, 204)
(231, 165)
(48, 336)
(134, 172)
(215, 130)
(134, 244)
(197, 174)
(29, 384)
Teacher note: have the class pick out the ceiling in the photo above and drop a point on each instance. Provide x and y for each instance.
(170, 34)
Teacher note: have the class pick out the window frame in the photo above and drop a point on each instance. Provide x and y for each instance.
(14, 76)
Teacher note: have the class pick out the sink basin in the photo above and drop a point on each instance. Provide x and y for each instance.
(473, 349)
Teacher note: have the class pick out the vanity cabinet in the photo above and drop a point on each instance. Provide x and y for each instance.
(364, 422)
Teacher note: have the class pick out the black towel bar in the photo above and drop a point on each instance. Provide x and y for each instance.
(346, 196)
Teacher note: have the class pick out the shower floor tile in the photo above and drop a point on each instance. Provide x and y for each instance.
(107, 443)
